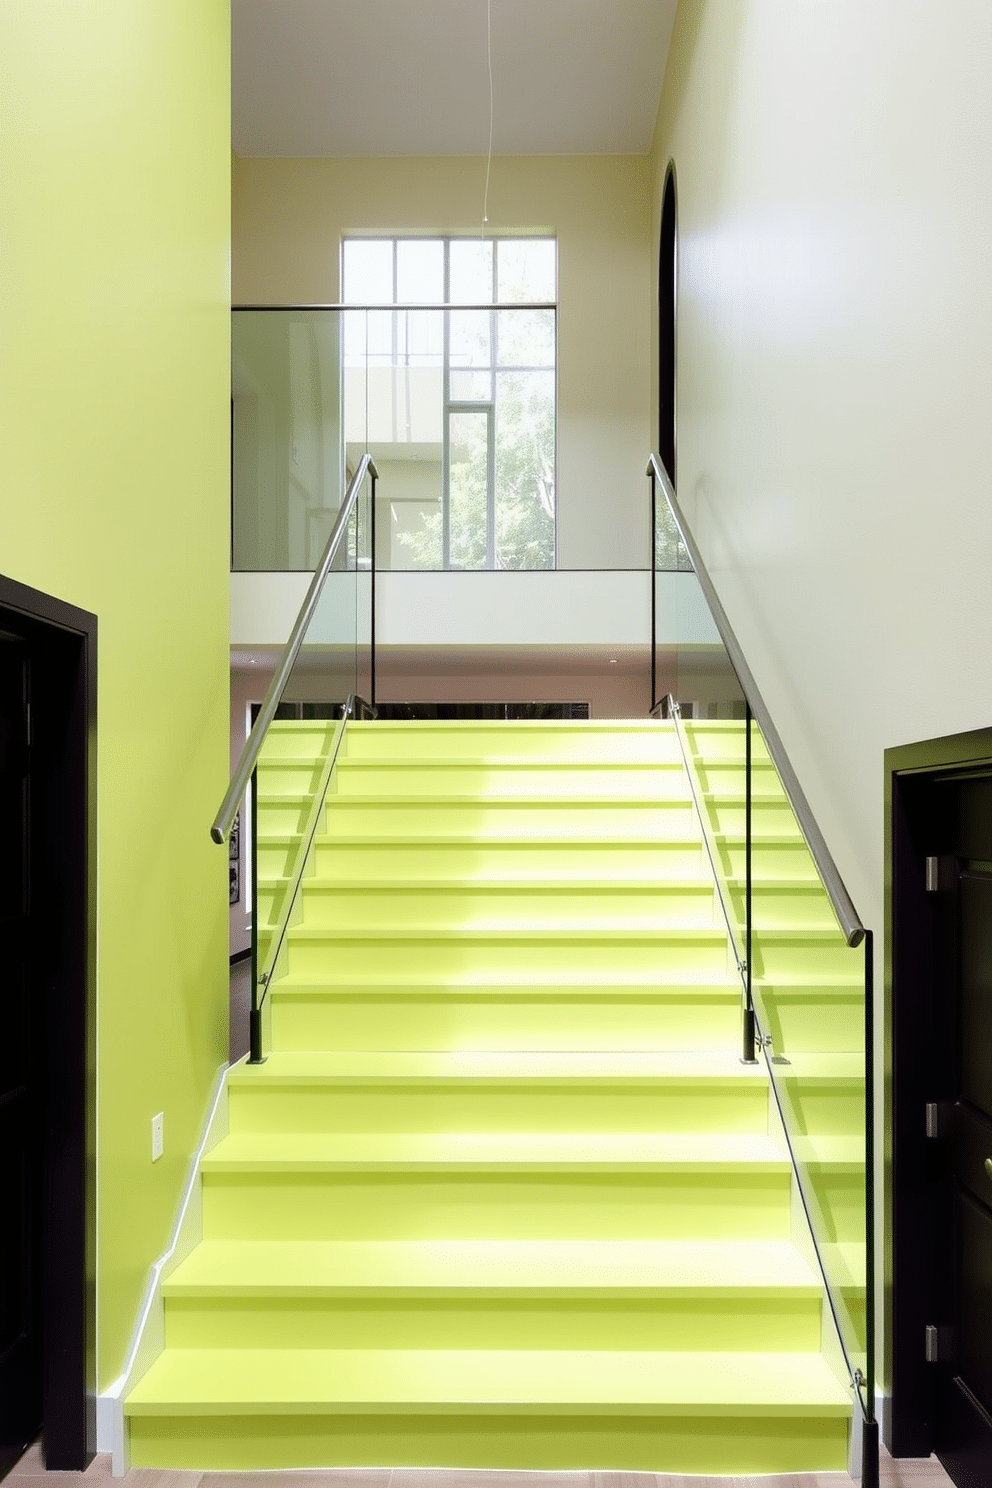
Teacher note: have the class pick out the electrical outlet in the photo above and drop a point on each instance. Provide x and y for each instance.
(158, 1138)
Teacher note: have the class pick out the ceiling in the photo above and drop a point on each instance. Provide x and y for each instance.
(411, 77)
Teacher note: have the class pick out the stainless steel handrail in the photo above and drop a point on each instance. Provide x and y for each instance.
(847, 916)
(224, 819)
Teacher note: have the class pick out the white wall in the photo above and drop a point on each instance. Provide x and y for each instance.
(288, 218)
(485, 609)
(835, 371)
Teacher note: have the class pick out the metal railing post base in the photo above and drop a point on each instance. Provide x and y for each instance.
(255, 1055)
(869, 1454)
(748, 1050)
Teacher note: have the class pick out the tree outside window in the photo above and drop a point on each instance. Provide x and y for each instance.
(450, 382)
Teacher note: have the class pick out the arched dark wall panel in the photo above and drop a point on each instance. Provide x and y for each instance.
(667, 306)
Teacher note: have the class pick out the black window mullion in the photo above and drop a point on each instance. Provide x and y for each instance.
(491, 483)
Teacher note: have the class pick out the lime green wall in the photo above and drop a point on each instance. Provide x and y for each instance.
(114, 295)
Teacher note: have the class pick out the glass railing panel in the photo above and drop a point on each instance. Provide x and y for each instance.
(286, 437)
(809, 993)
(694, 680)
(809, 979)
(457, 406)
(332, 663)
(361, 539)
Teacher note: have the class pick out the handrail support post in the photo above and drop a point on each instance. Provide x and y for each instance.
(748, 1052)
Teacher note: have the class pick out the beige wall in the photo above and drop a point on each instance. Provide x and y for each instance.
(835, 371)
(288, 220)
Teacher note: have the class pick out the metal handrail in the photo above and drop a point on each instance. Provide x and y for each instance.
(224, 819)
(848, 917)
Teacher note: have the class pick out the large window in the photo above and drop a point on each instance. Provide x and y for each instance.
(449, 360)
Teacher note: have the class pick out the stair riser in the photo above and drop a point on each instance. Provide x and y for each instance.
(796, 959)
(686, 1108)
(349, 817)
(431, 779)
(270, 901)
(729, 776)
(275, 858)
(785, 908)
(486, 861)
(802, 1022)
(778, 860)
(715, 1444)
(533, 961)
(835, 1111)
(724, 741)
(537, 818)
(282, 777)
(594, 745)
(720, 1323)
(492, 908)
(772, 817)
(840, 1197)
(393, 1206)
(420, 1022)
(298, 739)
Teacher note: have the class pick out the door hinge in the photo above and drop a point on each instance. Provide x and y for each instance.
(940, 1345)
(933, 875)
(933, 1119)
(27, 725)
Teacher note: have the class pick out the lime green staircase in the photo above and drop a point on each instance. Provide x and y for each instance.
(502, 1194)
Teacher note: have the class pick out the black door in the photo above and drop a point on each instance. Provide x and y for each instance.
(47, 1025)
(960, 1337)
(21, 1073)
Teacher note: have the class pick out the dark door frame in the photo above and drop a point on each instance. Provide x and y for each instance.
(909, 927)
(63, 640)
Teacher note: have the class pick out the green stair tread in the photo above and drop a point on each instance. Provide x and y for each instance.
(408, 986)
(810, 982)
(439, 1268)
(708, 935)
(485, 801)
(578, 841)
(563, 726)
(484, 884)
(500, 762)
(726, 837)
(501, 1383)
(807, 886)
(472, 1067)
(496, 1152)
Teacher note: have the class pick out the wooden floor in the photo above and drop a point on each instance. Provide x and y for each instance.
(30, 1473)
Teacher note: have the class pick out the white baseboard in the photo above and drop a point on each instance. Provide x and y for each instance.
(148, 1340)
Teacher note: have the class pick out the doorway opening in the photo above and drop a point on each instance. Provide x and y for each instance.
(47, 1104)
(939, 992)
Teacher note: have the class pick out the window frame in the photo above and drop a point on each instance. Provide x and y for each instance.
(452, 405)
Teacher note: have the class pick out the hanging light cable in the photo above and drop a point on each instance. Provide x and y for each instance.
(489, 161)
